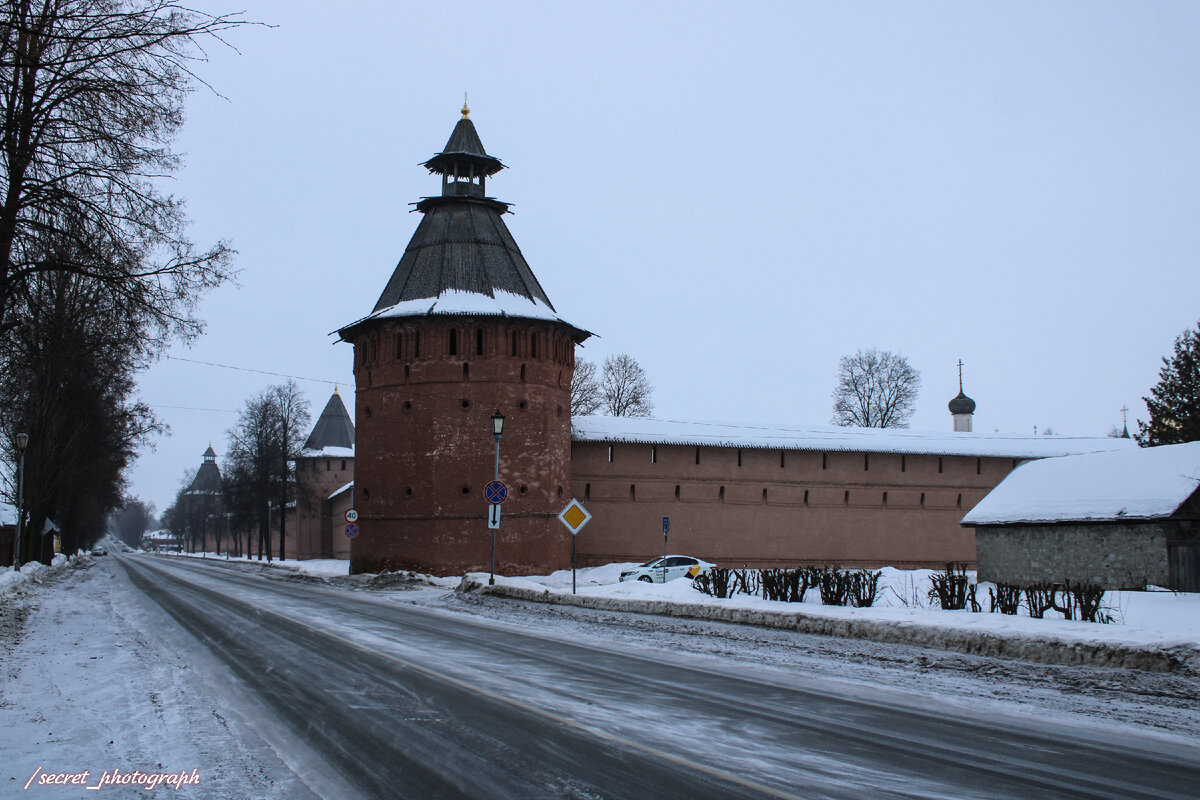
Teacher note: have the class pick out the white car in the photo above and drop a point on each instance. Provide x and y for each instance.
(667, 568)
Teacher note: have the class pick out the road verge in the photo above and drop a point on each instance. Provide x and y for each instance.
(1184, 659)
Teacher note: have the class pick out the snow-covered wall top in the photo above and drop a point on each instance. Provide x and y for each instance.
(833, 438)
(1146, 483)
(455, 302)
(345, 488)
(328, 452)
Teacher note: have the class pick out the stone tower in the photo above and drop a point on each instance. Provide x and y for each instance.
(463, 329)
(323, 469)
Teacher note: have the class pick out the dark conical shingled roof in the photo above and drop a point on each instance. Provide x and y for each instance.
(464, 146)
(334, 428)
(461, 245)
(208, 478)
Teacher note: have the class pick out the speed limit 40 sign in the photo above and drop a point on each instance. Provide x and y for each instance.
(351, 515)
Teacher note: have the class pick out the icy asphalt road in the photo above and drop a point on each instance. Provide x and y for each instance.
(394, 700)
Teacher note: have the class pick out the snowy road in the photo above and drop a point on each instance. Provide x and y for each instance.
(399, 700)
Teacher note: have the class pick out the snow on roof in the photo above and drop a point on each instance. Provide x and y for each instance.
(345, 488)
(1146, 483)
(454, 301)
(833, 438)
(328, 452)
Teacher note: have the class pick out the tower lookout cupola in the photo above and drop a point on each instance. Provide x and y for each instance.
(462, 329)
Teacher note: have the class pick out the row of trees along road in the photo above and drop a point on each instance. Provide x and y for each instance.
(97, 274)
(258, 478)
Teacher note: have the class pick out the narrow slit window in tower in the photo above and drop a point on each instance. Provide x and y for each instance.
(939, 465)
(479, 341)
(610, 453)
(453, 342)
(676, 491)
(533, 345)
(466, 371)
(721, 495)
(653, 454)
(632, 493)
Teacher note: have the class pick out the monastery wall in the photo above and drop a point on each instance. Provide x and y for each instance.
(773, 508)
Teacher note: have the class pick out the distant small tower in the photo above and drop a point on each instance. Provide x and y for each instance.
(962, 408)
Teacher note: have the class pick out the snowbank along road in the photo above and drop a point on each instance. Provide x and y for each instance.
(362, 696)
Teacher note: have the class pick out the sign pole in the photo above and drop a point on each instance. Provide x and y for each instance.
(572, 563)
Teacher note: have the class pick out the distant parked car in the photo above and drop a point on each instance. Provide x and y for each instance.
(667, 568)
(99, 551)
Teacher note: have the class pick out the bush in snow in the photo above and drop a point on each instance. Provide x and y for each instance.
(716, 582)
(787, 585)
(1087, 599)
(1039, 599)
(863, 588)
(746, 581)
(834, 584)
(1006, 599)
(950, 588)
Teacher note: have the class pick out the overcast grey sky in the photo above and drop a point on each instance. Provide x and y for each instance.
(737, 194)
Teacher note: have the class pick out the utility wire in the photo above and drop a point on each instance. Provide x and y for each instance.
(248, 369)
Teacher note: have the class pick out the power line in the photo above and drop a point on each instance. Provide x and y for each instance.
(248, 369)
(192, 408)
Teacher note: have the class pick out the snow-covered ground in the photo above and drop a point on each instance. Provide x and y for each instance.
(1157, 618)
(1151, 618)
(95, 676)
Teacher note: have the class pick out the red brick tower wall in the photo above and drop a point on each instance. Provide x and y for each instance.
(426, 390)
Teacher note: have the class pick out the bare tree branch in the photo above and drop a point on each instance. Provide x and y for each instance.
(876, 389)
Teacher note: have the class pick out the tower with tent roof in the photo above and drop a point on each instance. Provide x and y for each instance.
(462, 330)
(324, 481)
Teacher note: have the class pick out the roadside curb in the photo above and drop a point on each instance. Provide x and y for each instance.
(1183, 659)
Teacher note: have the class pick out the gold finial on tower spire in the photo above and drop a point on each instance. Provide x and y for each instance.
(466, 111)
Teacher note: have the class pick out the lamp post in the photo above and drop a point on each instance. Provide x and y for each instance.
(22, 443)
(497, 431)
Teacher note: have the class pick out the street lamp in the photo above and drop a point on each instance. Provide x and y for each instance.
(22, 443)
(497, 431)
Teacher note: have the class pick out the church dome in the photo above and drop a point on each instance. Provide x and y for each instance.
(962, 404)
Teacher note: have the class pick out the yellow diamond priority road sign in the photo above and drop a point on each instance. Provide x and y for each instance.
(574, 516)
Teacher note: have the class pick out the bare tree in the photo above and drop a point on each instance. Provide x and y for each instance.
(291, 411)
(625, 388)
(132, 521)
(91, 96)
(260, 466)
(585, 389)
(876, 389)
